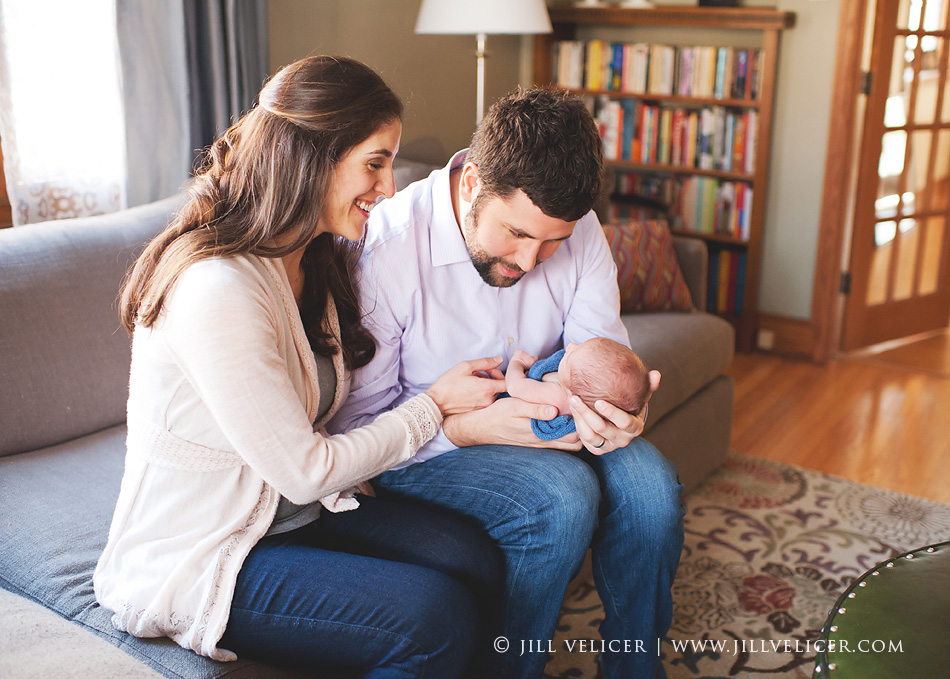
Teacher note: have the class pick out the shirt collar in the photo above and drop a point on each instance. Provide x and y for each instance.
(445, 239)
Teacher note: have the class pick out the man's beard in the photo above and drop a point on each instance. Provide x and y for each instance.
(483, 262)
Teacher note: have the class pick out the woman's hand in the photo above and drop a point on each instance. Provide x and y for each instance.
(468, 386)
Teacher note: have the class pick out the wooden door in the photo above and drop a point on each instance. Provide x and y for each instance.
(900, 255)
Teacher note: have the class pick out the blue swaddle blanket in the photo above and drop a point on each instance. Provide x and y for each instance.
(548, 430)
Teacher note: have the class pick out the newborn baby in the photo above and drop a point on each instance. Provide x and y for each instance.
(597, 369)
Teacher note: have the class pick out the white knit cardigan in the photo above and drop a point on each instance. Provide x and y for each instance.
(222, 407)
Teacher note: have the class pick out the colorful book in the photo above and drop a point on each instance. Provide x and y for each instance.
(729, 142)
(745, 224)
(629, 107)
(593, 72)
(755, 78)
(616, 66)
(742, 71)
(712, 285)
(722, 285)
(749, 151)
(740, 282)
(720, 83)
(718, 137)
(708, 128)
(692, 134)
(665, 133)
(733, 279)
(738, 142)
(678, 138)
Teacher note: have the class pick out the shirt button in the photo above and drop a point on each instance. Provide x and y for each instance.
(511, 340)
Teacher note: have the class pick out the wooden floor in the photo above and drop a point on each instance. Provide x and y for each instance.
(879, 423)
(929, 353)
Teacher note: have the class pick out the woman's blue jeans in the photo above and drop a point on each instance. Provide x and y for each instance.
(389, 590)
(544, 508)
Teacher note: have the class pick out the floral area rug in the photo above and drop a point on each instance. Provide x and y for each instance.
(769, 548)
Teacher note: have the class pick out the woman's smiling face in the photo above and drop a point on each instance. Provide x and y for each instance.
(364, 174)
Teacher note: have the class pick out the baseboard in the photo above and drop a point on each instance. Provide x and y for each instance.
(786, 336)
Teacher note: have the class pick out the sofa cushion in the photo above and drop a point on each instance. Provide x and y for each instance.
(57, 505)
(689, 349)
(65, 367)
(647, 270)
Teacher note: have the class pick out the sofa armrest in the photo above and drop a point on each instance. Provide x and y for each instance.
(693, 258)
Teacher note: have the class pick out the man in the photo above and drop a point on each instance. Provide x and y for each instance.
(500, 251)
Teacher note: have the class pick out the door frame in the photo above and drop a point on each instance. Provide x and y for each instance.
(838, 196)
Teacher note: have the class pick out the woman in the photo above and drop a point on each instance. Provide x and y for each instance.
(245, 324)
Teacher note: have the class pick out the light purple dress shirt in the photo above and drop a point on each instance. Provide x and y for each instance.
(429, 309)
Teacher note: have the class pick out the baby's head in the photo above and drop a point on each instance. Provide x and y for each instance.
(603, 369)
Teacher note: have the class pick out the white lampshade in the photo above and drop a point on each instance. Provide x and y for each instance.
(471, 17)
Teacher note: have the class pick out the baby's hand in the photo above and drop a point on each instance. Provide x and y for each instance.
(523, 357)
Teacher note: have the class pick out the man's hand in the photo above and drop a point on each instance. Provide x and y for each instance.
(610, 427)
(508, 422)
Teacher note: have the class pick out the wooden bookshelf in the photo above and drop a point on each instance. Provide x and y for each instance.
(635, 25)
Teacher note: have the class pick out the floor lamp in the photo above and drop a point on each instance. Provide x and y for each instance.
(482, 18)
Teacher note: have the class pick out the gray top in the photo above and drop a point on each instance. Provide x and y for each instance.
(290, 516)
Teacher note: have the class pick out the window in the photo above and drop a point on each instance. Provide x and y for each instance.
(62, 96)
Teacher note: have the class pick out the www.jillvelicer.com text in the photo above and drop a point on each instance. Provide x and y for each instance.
(722, 646)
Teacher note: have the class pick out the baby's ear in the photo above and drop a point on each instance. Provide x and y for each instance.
(654, 377)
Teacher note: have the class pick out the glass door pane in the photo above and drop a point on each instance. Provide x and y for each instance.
(907, 242)
(934, 244)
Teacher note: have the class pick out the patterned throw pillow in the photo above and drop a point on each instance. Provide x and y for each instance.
(647, 271)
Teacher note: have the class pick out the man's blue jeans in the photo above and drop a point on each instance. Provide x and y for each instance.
(544, 508)
(390, 590)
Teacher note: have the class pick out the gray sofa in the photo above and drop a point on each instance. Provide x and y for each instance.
(64, 362)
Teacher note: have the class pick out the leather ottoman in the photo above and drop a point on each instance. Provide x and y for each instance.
(894, 621)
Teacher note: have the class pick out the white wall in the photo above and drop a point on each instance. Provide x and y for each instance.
(799, 141)
(435, 75)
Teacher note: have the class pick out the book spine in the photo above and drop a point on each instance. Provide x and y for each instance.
(712, 285)
(708, 123)
(729, 142)
(722, 286)
(692, 133)
(742, 69)
(719, 90)
(626, 79)
(745, 227)
(666, 129)
(616, 69)
(740, 282)
(629, 115)
(719, 137)
(749, 154)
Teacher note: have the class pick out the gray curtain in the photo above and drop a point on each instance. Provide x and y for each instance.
(155, 93)
(227, 63)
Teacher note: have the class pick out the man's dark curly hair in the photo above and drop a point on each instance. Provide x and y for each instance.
(545, 143)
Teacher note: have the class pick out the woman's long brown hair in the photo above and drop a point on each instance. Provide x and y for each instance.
(268, 177)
